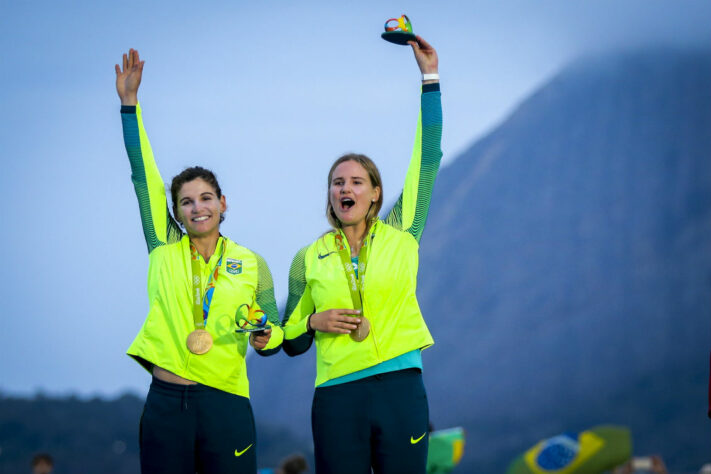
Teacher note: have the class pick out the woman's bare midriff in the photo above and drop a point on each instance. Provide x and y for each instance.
(170, 377)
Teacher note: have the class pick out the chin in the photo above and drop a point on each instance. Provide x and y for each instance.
(202, 232)
(351, 221)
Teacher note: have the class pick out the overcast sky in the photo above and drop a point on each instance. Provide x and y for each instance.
(267, 94)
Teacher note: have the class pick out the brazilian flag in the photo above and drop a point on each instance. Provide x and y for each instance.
(592, 451)
(446, 448)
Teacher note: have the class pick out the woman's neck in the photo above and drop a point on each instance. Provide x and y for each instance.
(355, 234)
(205, 245)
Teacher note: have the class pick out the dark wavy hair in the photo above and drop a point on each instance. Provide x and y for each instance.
(190, 174)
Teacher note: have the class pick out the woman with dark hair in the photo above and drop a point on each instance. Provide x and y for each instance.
(197, 416)
(353, 291)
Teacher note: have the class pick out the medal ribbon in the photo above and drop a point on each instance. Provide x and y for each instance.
(355, 283)
(201, 303)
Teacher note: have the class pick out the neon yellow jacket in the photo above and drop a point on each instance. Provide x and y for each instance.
(317, 281)
(162, 339)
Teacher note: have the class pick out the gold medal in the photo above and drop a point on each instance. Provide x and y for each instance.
(199, 341)
(361, 332)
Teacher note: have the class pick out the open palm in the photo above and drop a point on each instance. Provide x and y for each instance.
(128, 77)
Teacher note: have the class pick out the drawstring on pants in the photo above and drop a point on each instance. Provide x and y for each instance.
(185, 398)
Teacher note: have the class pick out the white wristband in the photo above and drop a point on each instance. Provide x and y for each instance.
(430, 77)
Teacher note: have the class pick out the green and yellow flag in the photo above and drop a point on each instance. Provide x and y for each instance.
(591, 451)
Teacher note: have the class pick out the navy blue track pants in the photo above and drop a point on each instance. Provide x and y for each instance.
(195, 428)
(379, 421)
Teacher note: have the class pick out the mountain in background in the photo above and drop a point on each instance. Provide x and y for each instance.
(565, 270)
(565, 273)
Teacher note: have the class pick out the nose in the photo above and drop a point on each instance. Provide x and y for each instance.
(195, 209)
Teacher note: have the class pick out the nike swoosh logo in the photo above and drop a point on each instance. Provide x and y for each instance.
(324, 256)
(415, 441)
(240, 453)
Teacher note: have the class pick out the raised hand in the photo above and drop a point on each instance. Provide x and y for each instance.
(128, 77)
(425, 55)
(341, 321)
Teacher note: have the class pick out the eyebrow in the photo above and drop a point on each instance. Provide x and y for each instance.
(351, 177)
(208, 193)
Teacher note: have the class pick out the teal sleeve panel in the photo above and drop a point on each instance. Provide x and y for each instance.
(299, 306)
(411, 208)
(159, 227)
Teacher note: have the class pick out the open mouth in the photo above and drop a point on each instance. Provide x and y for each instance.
(347, 203)
(200, 219)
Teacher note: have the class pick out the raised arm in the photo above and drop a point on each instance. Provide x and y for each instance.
(159, 227)
(411, 208)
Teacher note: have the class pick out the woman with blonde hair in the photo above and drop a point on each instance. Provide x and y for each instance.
(353, 292)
